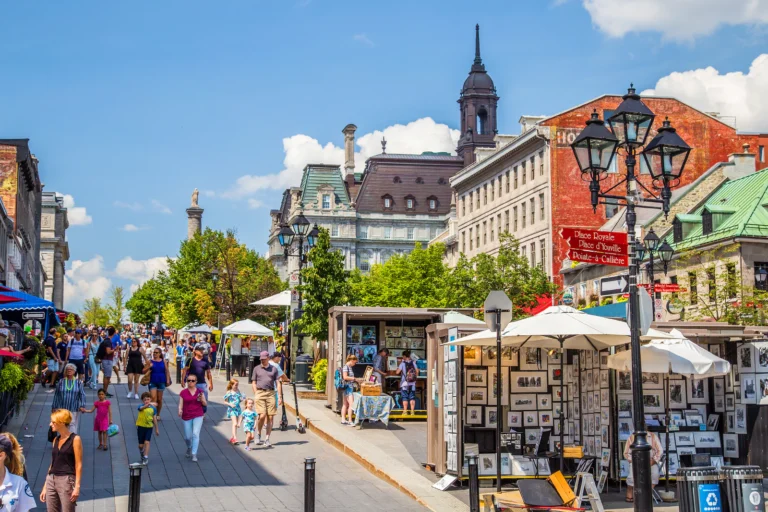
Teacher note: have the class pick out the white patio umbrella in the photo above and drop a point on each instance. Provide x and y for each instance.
(282, 299)
(676, 355)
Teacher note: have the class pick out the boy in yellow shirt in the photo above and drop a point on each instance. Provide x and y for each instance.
(146, 419)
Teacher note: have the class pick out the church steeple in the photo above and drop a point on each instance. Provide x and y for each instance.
(477, 105)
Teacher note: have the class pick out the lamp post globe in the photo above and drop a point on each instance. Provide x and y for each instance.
(312, 236)
(639, 250)
(214, 275)
(651, 241)
(631, 121)
(594, 149)
(666, 252)
(761, 275)
(666, 154)
(285, 236)
(301, 225)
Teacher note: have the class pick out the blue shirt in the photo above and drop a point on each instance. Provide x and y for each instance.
(116, 340)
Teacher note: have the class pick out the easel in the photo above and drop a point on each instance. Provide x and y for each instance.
(585, 485)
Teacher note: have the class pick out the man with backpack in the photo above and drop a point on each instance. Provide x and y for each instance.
(77, 353)
(409, 373)
(106, 354)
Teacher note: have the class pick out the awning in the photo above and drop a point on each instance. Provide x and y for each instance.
(542, 303)
(281, 299)
(27, 307)
(247, 328)
(615, 310)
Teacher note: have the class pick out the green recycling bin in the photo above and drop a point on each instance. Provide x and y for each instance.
(743, 486)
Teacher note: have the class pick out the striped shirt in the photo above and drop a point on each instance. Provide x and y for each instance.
(70, 395)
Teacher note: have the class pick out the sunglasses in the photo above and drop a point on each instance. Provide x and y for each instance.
(191, 380)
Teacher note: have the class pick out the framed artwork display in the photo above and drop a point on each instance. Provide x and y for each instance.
(528, 382)
(719, 384)
(716, 461)
(544, 401)
(514, 419)
(748, 388)
(745, 358)
(595, 379)
(555, 358)
(761, 356)
(694, 420)
(698, 391)
(532, 435)
(472, 356)
(492, 386)
(730, 445)
(624, 468)
(477, 378)
(523, 402)
(762, 388)
(491, 417)
(741, 419)
(683, 439)
(604, 414)
(486, 464)
(686, 450)
(653, 401)
(730, 421)
(530, 419)
(604, 360)
(737, 393)
(604, 379)
(545, 418)
(451, 365)
(587, 359)
(555, 376)
(589, 380)
(474, 416)
(625, 428)
(674, 463)
(663, 439)
(715, 349)
(604, 398)
(625, 381)
(713, 420)
(707, 439)
(533, 359)
(508, 357)
(729, 382)
(604, 435)
(730, 402)
(556, 394)
(625, 404)
(477, 396)
(652, 381)
(719, 404)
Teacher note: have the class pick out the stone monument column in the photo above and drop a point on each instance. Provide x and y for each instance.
(194, 217)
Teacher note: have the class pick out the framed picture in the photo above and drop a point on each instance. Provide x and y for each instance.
(451, 371)
(587, 359)
(447, 393)
(625, 428)
(694, 420)
(604, 379)
(523, 402)
(707, 439)
(544, 401)
(477, 378)
(730, 421)
(731, 445)
(530, 419)
(529, 382)
(532, 435)
(749, 388)
(719, 404)
(676, 419)
(604, 398)
(674, 463)
(686, 450)
(486, 463)
(625, 381)
(625, 404)
(509, 356)
(653, 401)
(514, 419)
(683, 439)
(472, 356)
(729, 381)
(698, 391)
(474, 415)
(591, 402)
(492, 384)
(556, 394)
(491, 417)
(557, 411)
(392, 363)
(737, 393)
(533, 359)
(596, 401)
(555, 376)
(741, 419)
(555, 358)
(663, 439)
(652, 381)
(589, 379)
(624, 468)
(595, 379)
(545, 418)
(719, 384)
(761, 356)
(604, 415)
(715, 349)
(745, 358)
(730, 402)
(604, 360)
(477, 396)
(762, 389)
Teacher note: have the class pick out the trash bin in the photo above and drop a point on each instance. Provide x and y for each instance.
(743, 486)
(699, 489)
(303, 363)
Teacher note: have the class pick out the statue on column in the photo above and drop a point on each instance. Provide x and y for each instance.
(195, 194)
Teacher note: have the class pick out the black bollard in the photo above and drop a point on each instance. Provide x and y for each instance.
(179, 364)
(250, 368)
(474, 484)
(134, 487)
(309, 484)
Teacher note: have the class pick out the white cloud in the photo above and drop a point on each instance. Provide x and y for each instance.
(130, 206)
(160, 207)
(139, 271)
(364, 39)
(85, 280)
(676, 20)
(731, 94)
(133, 227)
(255, 203)
(415, 137)
(76, 215)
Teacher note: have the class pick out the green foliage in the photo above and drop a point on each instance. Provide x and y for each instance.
(116, 308)
(94, 312)
(11, 377)
(146, 301)
(324, 285)
(606, 301)
(319, 373)
(621, 298)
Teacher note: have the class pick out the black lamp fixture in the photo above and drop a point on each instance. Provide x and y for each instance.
(651, 241)
(594, 149)
(312, 236)
(285, 236)
(666, 156)
(215, 275)
(666, 252)
(631, 121)
(761, 275)
(301, 225)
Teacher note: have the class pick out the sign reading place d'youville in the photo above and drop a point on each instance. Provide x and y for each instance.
(597, 247)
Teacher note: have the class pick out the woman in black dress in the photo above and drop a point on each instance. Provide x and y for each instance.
(134, 364)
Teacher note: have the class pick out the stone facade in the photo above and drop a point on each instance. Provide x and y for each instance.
(54, 248)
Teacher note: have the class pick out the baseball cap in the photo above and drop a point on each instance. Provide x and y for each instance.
(78, 331)
(264, 355)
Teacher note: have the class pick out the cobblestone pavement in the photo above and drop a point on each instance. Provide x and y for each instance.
(226, 478)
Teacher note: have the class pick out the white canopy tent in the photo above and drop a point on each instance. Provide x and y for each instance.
(247, 328)
(282, 299)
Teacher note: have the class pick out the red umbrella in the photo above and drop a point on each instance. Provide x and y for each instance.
(8, 353)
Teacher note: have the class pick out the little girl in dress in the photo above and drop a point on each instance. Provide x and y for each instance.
(103, 418)
(233, 397)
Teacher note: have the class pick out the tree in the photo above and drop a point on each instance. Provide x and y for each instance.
(94, 312)
(461, 287)
(324, 285)
(117, 308)
(147, 301)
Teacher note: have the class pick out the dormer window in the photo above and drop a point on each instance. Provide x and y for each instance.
(677, 227)
(432, 203)
(683, 224)
(420, 180)
(706, 222)
(387, 201)
(326, 201)
(396, 179)
(441, 181)
(410, 202)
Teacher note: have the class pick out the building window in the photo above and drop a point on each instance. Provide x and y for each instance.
(507, 182)
(499, 186)
(387, 202)
(506, 221)
(541, 163)
(485, 194)
(463, 206)
(326, 201)
(470, 239)
(364, 263)
(533, 211)
(432, 203)
(409, 203)
(523, 252)
(761, 153)
(760, 283)
(464, 241)
(522, 210)
(583, 291)
(515, 177)
(471, 202)
(543, 250)
(477, 190)
(677, 231)
(388, 232)
(533, 168)
(692, 289)
(533, 254)
(477, 236)
(432, 233)
(706, 222)
(334, 230)
(733, 284)
(364, 232)
(515, 215)
(491, 221)
(524, 172)
(611, 208)
(493, 188)
(541, 206)
(485, 233)
(712, 284)
(409, 233)
(498, 225)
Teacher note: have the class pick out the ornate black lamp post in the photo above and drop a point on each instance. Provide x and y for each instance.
(286, 236)
(652, 245)
(665, 157)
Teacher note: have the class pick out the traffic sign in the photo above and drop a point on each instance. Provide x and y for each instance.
(497, 300)
(598, 258)
(597, 247)
(33, 315)
(614, 285)
(663, 287)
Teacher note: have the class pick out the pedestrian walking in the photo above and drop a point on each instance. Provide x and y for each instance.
(134, 366)
(93, 348)
(214, 349)
(234, 397)
(77, 353)
(52, 354)
(249, 423)
(409, 374)
(191, 403)
(380, 365)
(15, 494)
(146, 419)
(62, 485)
(348, 375)
(70, 395)
(19, 468)
(275, 361)
(103, 419)
(263, 381)
(200, 367)
(181, 353)
(159, 378)
(106, 355)
(117, 346)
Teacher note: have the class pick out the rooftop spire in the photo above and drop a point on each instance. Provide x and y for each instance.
(478, 60)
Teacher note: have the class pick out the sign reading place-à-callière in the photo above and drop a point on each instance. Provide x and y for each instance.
(598, 247)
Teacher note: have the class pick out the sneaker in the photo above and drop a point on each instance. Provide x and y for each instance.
(135, 396)
(259, 442)
(189, 453)
(129, 395)
(194, 458)
(145, 460)
(247, 448)
(266, 443)
(344, 422)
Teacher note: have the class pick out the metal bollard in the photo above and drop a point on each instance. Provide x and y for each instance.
(309, 484)
(179, 364)
(134, 487)
(474, 484)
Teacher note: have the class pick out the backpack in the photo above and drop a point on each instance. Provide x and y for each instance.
(102, 351)
(338, 381)
(410, 372)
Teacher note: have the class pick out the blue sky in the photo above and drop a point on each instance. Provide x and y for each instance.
(131, 105)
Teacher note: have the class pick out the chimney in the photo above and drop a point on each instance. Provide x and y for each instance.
(349, 149)
(742, 164)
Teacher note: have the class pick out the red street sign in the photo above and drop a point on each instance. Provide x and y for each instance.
(598, 258)
(663, 287)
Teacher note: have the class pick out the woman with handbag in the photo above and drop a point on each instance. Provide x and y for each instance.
(134, 366)
(70, 395)
(159, 377)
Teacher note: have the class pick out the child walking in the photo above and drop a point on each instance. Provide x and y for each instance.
(249, 423)
(146, 419)
(103, 418)
(233, 397)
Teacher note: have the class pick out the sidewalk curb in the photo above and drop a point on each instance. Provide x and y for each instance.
(372, 468)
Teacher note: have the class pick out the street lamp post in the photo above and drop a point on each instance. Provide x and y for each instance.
(651, 245)
(300, 231)
(665, 156)
(227, 354)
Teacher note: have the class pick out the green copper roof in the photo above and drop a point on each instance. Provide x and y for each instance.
(315, 176)
(687, 217)
(744, 199)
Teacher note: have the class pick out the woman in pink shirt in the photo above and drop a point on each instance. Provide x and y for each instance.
(191, 403)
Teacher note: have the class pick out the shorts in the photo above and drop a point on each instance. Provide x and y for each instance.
(144, 433)
(79, 364)
(265, 402)
(106, 367)
(408, 394)
(53, 365)
(160, 386)
(654, 475)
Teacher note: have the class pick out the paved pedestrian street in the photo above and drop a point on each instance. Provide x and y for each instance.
(226, 478)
